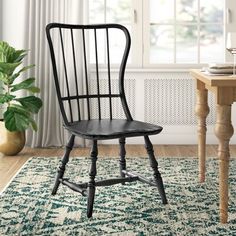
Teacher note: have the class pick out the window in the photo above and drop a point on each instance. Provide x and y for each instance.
(113, 11)
(167, 32)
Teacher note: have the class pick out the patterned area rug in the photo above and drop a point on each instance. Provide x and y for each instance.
(27, 208)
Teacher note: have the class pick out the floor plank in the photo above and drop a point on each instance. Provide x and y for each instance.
(10, 165)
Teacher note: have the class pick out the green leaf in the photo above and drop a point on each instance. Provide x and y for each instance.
(26, 68)
(16, 119)
(17, 56)
(13, 77)
(31, 103)
(4, 98)
(5, 51)
(10, 54)
(8, 68)
(33, 125)
(4, 78)
(33, 89)
(23, 85)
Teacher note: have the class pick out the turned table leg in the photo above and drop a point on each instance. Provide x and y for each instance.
(224, 131)
(202, 111)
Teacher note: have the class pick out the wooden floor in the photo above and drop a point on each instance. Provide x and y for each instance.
(10, 165)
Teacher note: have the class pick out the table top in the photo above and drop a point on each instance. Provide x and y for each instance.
(213, 80)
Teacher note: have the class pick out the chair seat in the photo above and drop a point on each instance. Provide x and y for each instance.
(110, 129)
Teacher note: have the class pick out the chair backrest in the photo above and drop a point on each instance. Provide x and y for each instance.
(73, 49)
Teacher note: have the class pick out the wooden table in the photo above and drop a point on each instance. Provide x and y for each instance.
(224, 88)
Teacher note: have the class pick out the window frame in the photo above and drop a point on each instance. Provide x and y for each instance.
(140, 28)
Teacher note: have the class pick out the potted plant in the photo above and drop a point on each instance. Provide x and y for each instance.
(16, 111)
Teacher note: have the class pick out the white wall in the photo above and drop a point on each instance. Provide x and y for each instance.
(13, 18)
(1, 24)
(1, 18)
(230, 19)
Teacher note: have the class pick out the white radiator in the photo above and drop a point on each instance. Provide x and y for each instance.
(163, 98)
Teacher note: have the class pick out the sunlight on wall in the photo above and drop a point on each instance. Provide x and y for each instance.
(13, 18)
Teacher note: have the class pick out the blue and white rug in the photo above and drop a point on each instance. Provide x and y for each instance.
(27, 207)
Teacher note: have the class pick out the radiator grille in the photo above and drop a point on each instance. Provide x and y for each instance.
(171, 101)
(116, 103)
(162, 98)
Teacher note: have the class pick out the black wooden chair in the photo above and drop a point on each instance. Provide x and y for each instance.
(66, 43)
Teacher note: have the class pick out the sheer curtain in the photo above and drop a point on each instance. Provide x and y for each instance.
(37, 15)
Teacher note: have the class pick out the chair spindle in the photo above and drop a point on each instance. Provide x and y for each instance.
(97, 74)
(109, 72)
(66, 76)
(86, 73)
(75, 72)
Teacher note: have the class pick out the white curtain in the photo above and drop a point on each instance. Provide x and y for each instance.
(38, 14)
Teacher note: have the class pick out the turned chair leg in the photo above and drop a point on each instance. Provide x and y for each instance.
(122, 157)
(63, 162)
(154, 165)
(91, 183)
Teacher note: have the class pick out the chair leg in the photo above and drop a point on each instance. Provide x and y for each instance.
(91, 183)
(63, 162)
(122, 156)
(154, 165)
